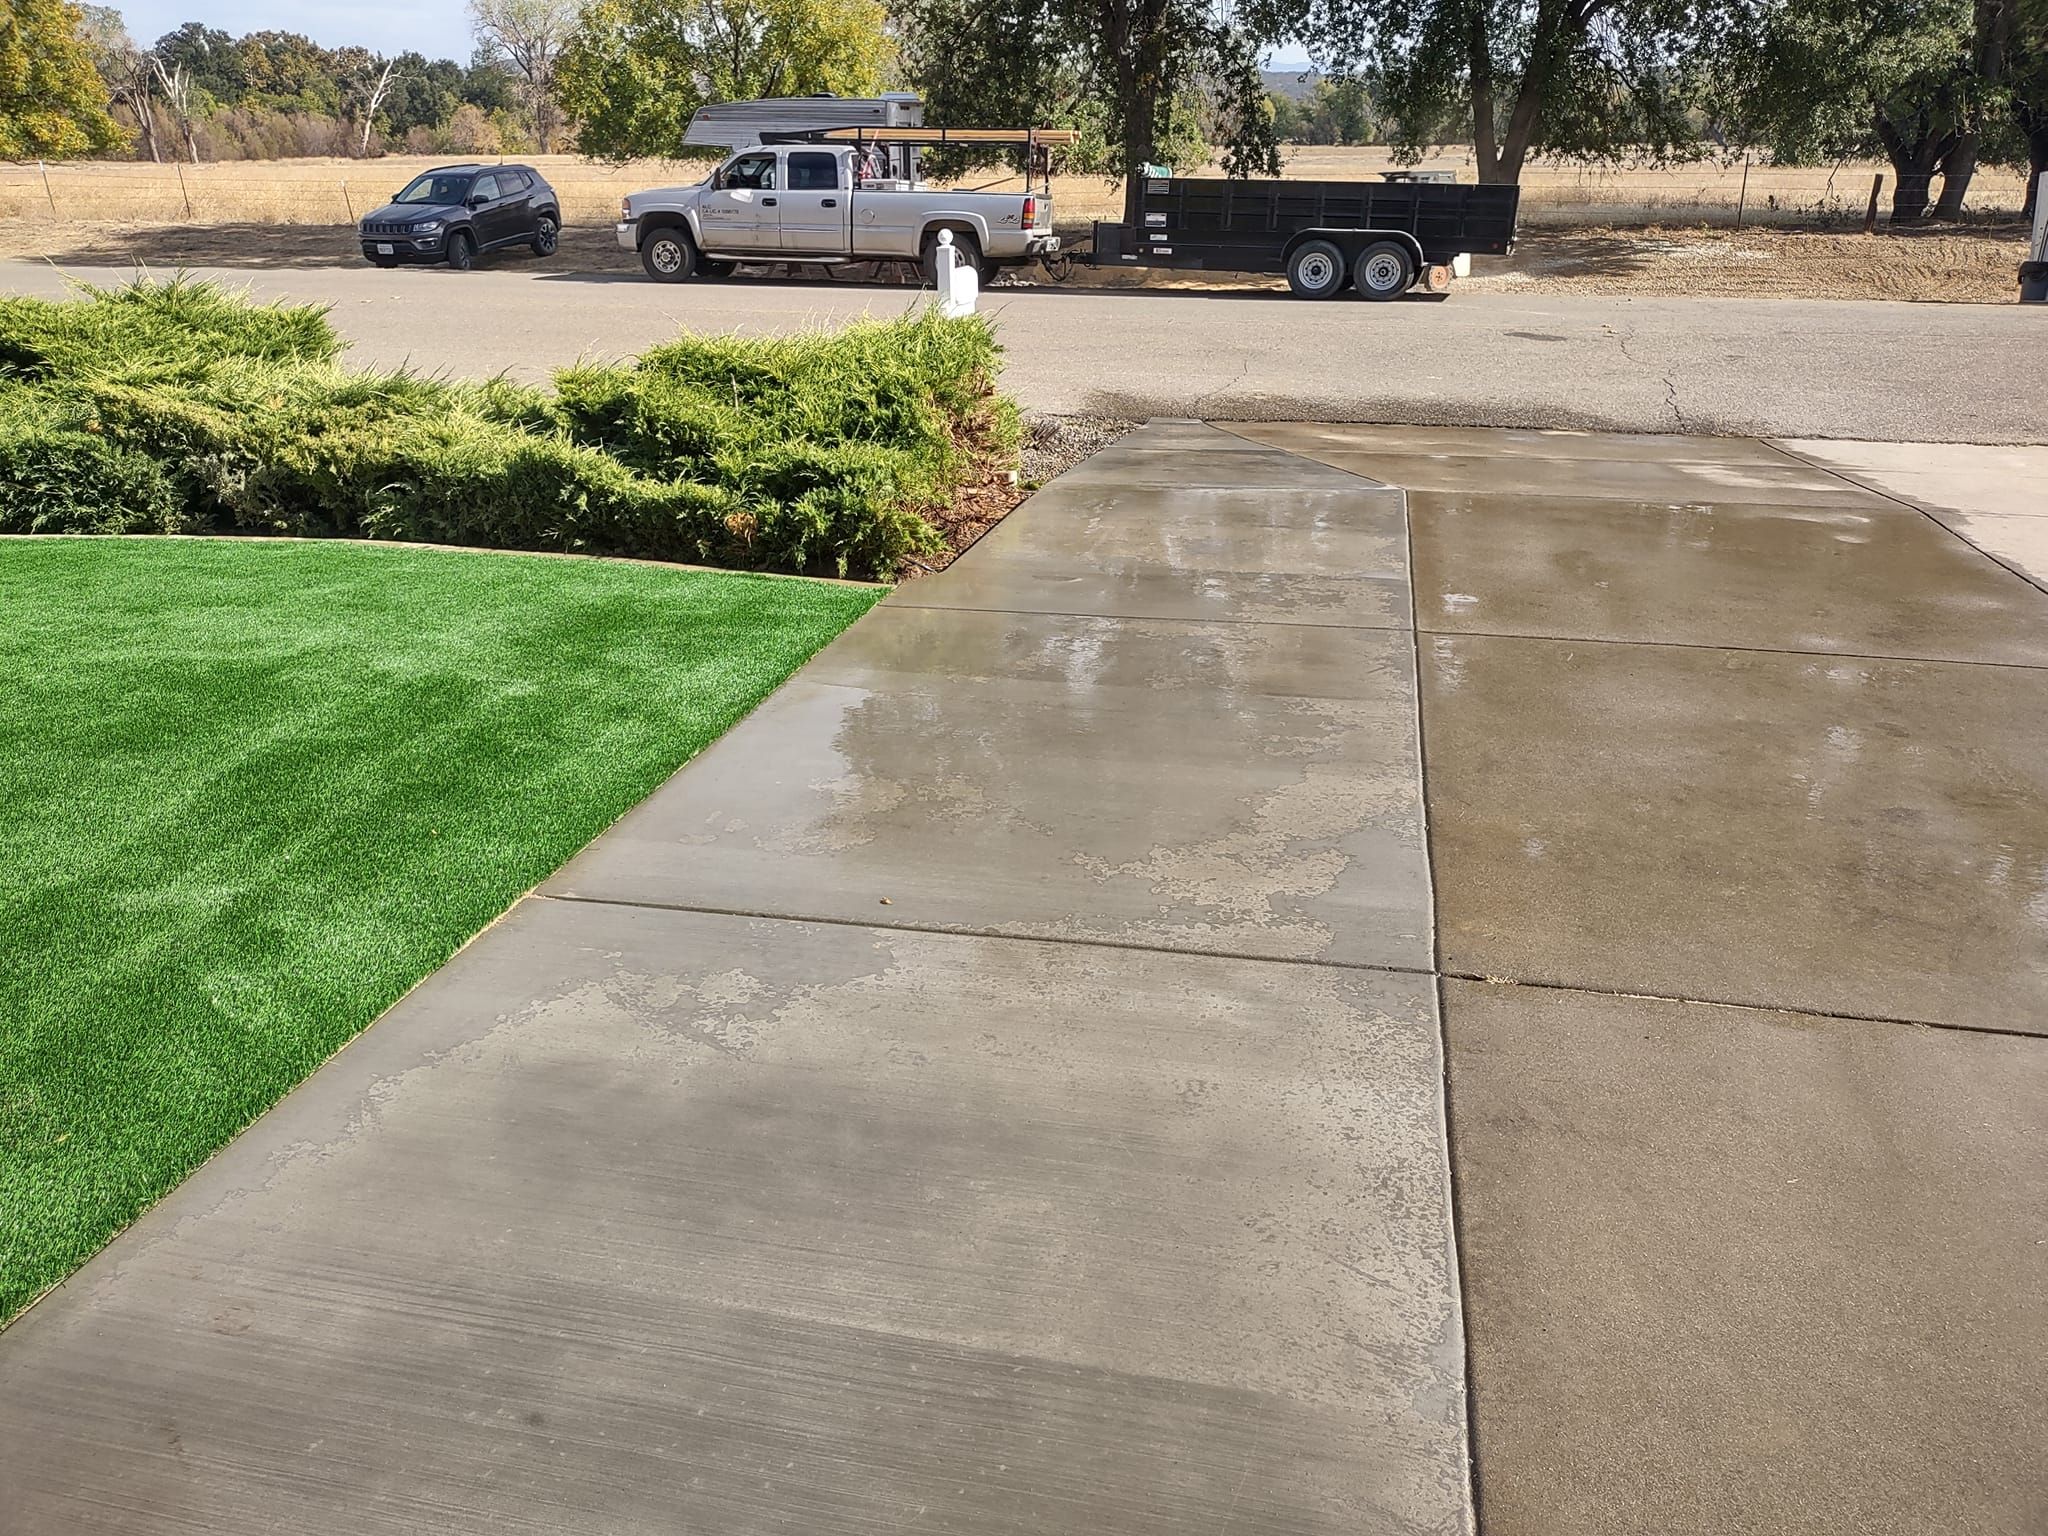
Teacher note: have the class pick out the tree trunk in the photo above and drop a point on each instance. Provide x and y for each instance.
(1957, 167)
(1992, 23)
(1916, 151)
(1912, 190)
(147, 119)
(1141, 81)
(1485, 136)
(1558, 26)
(2037, 159)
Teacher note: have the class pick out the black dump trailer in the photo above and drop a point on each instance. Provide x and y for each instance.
(1383, 237)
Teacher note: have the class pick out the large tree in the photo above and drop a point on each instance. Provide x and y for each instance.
(2029, 77)
(1927, 84)
(52, 102)
(635, 70)
(1137, 69)
(528, 37)
(1593, 79)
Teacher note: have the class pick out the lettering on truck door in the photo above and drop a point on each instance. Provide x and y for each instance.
(814, 204)
(741, 213)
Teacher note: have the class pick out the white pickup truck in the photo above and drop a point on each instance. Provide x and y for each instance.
(826, 203)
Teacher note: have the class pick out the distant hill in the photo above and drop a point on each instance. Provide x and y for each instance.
(1291, 83)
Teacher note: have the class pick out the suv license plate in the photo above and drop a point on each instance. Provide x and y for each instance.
(387, 250)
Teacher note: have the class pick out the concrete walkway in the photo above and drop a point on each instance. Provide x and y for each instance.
(1738, 768)
(906, 1120)
(1000, 1087)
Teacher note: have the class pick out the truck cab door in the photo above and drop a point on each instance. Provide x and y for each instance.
(741, 213)
(816, 204)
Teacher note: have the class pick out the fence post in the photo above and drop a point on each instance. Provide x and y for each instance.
(183, 190)
(1870, 213)
(1742, 201)
(46, 185)
(349, 202)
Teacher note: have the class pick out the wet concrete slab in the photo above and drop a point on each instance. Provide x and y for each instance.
(1142, 463)
(1496, 442)
(1877, 579)
(645, 1221)
(1676, 482)
(1995, 498)
(1835, 834)
(1294, 556)
(1737, 1273)
(1234, 788)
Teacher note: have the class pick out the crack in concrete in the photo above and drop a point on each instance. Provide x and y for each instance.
(1622, 339)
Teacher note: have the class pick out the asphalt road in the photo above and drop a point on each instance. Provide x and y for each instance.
(1766, 367)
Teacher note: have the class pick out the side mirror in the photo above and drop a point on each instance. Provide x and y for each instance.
(476, 201)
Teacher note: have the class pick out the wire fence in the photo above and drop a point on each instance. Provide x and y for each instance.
(329, 192)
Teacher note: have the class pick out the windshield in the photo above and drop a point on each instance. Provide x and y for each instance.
(438, 187)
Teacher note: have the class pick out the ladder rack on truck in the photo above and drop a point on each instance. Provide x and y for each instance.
(1383, 237)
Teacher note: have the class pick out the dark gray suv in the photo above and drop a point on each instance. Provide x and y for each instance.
(455, 213)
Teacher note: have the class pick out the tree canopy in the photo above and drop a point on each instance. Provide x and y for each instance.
(52, 101)
(634, 71)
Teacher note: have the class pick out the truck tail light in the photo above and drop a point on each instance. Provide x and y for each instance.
(1030, 213)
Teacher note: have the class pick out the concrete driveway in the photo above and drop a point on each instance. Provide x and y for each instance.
(1898, 371)
(1299, 925)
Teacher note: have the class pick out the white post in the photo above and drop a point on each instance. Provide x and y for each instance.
(958, 284)
(2034, 270)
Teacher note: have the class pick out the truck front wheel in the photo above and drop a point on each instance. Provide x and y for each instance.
(669, 255)
(1315, 270)
(1385, 270)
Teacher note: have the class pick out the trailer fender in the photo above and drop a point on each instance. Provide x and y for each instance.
(1352, 241)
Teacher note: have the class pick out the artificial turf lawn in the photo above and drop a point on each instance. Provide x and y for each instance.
(250, 792)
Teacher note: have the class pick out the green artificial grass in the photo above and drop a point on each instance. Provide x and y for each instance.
(250, 792)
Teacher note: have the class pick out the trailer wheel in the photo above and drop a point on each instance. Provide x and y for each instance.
(1385, 270)
(1315, 270)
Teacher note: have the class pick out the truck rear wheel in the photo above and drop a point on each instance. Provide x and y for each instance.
(1315, 270)
(1385, 270)
(669, 255)
(966, 250)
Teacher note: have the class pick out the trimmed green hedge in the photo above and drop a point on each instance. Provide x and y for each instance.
(179, 408)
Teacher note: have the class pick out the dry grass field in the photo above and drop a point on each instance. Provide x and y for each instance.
(338, 191)
(1627, 230)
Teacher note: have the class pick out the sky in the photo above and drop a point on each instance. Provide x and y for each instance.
(437, 28)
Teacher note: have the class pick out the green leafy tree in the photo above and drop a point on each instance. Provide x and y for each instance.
(210, 59)
(635, 70)
(1821, 80)
(2030, 93)
(53, 103)
(1587, 79)
(1332, 111)
(1149, 72)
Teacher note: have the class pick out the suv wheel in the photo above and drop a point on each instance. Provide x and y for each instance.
(462, 250)
(669, 255)
(547, 234)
